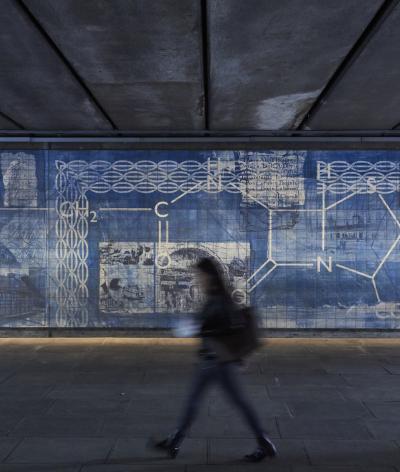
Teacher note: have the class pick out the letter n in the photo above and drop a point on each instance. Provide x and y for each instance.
(328, 266)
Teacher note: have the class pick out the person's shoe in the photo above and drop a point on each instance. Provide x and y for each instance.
(265, 448)
(268, 446)
(170, 445)
(258, 455)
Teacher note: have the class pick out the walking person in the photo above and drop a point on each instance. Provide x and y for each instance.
(217, 365)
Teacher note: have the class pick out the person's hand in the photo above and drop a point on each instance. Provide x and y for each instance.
(186, 329)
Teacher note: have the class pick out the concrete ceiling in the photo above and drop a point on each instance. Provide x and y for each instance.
(199, 65)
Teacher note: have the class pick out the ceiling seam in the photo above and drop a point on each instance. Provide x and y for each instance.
(25, 9)
(11, 120)
(206, 62)
(246, 134)
(358, 47)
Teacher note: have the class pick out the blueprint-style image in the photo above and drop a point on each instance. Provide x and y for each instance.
(109, 238)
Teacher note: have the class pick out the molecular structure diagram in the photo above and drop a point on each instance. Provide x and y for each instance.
(340, 179)
(337, 182)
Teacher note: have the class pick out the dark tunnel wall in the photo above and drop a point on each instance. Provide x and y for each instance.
(108, 238)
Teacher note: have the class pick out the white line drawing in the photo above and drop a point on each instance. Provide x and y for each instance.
(25, 209)
(330, 172)
(163, 258)
(157, 209)
(124, 209)
(389, 210)
(396, 241)
(341, 177)
(323, 218)
(274, 266)
(72, 251)
(211, 176)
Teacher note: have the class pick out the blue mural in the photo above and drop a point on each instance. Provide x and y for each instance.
(108, 238)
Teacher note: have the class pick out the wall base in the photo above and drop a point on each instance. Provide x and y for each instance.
(166, 333)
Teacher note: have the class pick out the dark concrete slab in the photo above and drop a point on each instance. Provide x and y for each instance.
(352, 365)
(28, 406)
(39, 378)
(61, 450)
(7, 446)
(57, 426)
(370, 379)
(94, 407)
(326, 380)
(322, 428)
(305, 392)
(278, 468)
(348, 423)
(176, 389)
(384, 429)
(292, 365)
(16, 393)
(346, 468)
(384, 410)
(367, 97)
(392, 369)
(269, 61)
(239, 467)
(132, 468)
(372, 394)
(70, 347)
(330, 452)
(36, 88)
(9, 423)
(143, 425)
(232, 451)
(119, 378)
(229, 427)
(106, 392)
(325, 347)
(274, 468)
(328, 409)
(135, 451)
(221, 407)
(141, 59)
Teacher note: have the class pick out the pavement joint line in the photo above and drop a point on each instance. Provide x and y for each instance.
(17, 444)
(15, 426)
(112, 448)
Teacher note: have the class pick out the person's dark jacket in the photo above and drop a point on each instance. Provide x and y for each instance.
(216, 322)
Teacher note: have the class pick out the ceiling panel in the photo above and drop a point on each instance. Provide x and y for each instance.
(141, 59)
(36, 88)
(368, 95)
(269, 60)
(6, 124)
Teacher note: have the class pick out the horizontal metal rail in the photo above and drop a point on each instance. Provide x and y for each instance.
(117, 136)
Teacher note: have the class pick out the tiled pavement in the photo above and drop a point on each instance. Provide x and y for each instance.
(89, 405)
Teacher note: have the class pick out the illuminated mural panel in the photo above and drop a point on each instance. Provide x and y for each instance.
(108, 238)
(176, 286)
(126, 277)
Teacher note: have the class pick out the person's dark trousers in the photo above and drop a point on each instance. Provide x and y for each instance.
(226, 375)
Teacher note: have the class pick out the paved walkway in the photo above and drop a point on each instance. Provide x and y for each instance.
(89, 405)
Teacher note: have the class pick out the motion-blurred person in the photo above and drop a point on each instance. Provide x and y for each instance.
(217, 364)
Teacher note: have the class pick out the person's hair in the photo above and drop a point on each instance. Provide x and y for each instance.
(210, 268)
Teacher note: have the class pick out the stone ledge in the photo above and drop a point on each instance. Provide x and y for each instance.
(166, 333)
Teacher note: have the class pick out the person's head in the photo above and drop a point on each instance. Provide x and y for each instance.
(209, 274)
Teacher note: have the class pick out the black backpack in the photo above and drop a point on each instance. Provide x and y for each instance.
(242, 337)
